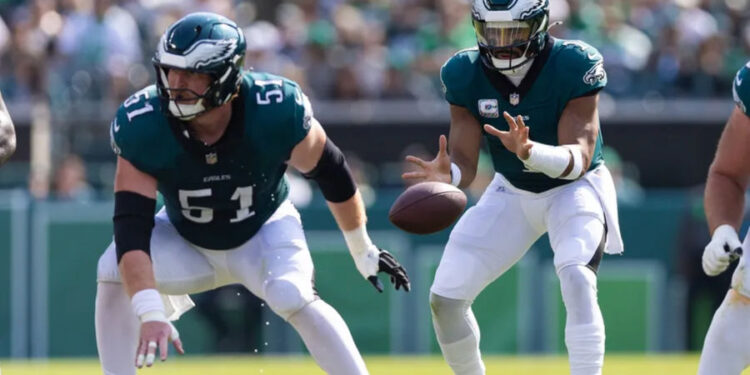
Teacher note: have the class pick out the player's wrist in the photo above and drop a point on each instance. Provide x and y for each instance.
(358, 241)
(148, 305)
(725, 231)
(455, 174)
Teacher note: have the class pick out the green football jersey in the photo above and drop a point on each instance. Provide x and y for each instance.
(740, 92)
(563, 70)
(218, 196)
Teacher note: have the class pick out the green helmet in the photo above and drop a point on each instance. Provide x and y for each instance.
(510, 33)
(204, 43)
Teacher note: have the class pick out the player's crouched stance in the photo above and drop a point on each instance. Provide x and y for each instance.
(215, 142)
(550, 176)
(725, 351)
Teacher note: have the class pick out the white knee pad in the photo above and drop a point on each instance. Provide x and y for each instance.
(285, 297)
(578, 287)
(458, 334)
(450, 318)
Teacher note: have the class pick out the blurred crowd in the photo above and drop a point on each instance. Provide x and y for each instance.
(71, 50)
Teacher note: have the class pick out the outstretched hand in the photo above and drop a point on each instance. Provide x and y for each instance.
(388, 264)
(438, 169)
(516, 139)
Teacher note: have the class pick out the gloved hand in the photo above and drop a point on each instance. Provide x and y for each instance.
(375, 260)
(725, 247)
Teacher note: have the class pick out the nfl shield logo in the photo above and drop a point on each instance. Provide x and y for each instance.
(212, 158)
(514, 98)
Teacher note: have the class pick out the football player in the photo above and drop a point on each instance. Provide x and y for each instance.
(725, 351)
(534, 100)
(7, 134)
(215, 141)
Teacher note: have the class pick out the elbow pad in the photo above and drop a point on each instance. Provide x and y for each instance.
(133, 222)
(333, 175)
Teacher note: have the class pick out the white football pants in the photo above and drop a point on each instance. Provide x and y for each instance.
(275, 265)
(493, 235)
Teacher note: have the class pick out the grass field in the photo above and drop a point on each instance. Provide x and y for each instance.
(267, 365)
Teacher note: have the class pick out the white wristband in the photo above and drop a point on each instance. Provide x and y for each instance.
(554, 160)
(577, 163)
(357, 240)
(147, 304)
(455, 174)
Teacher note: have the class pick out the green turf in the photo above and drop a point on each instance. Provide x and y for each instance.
(381, 365)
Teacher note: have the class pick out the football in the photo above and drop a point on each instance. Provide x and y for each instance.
(427, 207)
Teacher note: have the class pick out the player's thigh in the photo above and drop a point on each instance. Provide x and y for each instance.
(488, 239)
(576, 226)
(725, 350)
(277, 252)
(178, 267)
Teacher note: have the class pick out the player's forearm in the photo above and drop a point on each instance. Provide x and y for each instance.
(724, 201)
(349, 214)
(136, 272)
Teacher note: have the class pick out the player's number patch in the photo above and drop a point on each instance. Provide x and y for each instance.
(265, 97)
(202, 215)
(135, 98)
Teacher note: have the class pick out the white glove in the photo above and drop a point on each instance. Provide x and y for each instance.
(370, 260)
(725, 246)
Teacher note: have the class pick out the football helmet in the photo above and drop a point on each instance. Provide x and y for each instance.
(203, 43)
(510, 33)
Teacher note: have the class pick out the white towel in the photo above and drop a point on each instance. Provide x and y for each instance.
(175, 306)
(601, 180)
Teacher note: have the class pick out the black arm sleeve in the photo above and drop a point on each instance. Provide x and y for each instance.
(133, 222)
(333, 175)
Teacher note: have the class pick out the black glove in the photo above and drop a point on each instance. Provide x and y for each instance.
(391, 266)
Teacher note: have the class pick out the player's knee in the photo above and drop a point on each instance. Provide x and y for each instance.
(578, 285)
(442, 306)
(106, 269)
(285, 297)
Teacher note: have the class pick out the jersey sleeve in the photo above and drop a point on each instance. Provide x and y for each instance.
(584, 69)
(453, 76)
(741, 89)
(303, 113)
(126, 130)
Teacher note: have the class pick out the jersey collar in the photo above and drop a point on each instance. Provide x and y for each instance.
(506, 88)
(232, 134)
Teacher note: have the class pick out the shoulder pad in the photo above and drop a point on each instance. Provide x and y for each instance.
(136, 123)
(582, 65)
(457, 73)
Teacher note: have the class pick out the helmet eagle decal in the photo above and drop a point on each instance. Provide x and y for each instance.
(202, 43)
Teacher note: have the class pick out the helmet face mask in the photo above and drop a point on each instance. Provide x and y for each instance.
(202, 43)
(510, 33)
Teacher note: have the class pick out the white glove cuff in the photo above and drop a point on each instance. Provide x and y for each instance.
(358, 241)
(147, 304)
(726, 233)
(455, 174)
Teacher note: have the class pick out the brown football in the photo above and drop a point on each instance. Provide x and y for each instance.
(427, 207)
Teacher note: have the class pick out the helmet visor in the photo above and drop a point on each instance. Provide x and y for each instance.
(505, 40)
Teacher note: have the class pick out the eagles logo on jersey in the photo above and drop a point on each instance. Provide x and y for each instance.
(510, 34)
(216, 196)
